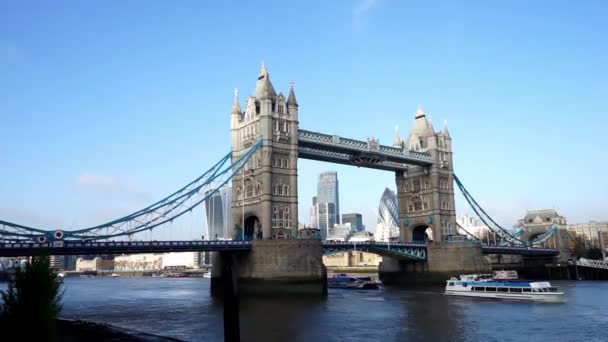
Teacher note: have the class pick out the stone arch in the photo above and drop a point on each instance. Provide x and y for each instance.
(251, 224)
(422, 233)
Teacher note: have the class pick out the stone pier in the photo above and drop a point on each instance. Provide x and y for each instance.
(443, 261)
(274, 267)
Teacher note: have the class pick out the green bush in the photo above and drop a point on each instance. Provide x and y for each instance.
(594, 254)
(32, 303)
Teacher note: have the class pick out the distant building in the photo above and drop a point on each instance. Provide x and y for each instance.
(537, 223)
(355, 220)
(219, 214)
(362, 237)
(97, 264)
(340, 232)
(545, 217)
(388, 217)
(327, 192)
(314, 218)
(593, 234)
(352, 259)
(326, 214)
(157, 262)
(473, 226)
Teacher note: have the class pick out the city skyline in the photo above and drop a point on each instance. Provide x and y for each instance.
(86, 123)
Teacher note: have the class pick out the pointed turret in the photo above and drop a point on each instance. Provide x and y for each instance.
(397, 142)
(236, 108)
(264, 89)
(291, 99)
(445, 132)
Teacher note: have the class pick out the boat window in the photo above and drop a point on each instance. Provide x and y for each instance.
(515, 289)
(503, 289)
(490, 289)
(451, 283)
(553, 289)
(478, 288)
(526, 290)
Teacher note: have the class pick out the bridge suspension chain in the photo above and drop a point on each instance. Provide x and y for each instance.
(484, 217)
(508, 238)
(164, 211)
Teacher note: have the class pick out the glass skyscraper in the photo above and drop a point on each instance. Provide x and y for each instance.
(219, 214)
(388, 217)
(327, 192)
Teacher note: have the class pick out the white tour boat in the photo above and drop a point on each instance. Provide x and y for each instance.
(502, 285)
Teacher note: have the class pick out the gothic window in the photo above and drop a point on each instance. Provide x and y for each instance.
(284, 126)
(281, 109)
(238, 192)
(426, 184)
(417, 203)
(285, 190)
(425, 204)
(248, 188)
(258, 187)
(410, 207)
(415, 185)
(257, 107)
(258, 162)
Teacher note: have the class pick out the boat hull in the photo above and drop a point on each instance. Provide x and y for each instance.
(554, 297)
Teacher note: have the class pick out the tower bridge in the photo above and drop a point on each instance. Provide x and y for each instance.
(266, 143)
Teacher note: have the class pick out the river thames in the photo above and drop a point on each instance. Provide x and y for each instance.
(182, 308)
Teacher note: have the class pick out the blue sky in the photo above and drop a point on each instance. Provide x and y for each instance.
(107, 106)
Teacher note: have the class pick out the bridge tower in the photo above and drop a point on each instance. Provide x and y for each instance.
(264, 198)
(426, 194)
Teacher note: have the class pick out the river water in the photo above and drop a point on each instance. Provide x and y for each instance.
(182, 308)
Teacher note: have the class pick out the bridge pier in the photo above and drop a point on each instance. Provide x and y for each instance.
(275, 267)
(443, 261)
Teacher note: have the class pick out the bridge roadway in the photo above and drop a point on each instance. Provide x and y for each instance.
(414, 251)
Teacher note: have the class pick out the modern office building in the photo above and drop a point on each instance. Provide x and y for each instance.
(326, 214)
(593, 234)
(314, 219)
(388, 217)
(327, 192)
(355, 220)
(340, 232)
(219, 214)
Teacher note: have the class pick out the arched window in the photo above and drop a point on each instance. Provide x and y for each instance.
(248, 188)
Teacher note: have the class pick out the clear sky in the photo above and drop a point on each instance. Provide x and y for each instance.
(107, 106)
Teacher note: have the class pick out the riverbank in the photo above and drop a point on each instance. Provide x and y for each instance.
(76, 330)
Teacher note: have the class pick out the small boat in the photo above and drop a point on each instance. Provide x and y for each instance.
(503, 285)
(207, 275)
(114, 275)
(176, 275)
(344, 281)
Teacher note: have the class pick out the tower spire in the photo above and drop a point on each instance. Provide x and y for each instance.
(264, 89)
(397, 142)
(236, 108)
(445, 128)
(291, 99)
(419, 112)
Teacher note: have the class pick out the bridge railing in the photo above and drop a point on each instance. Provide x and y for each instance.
(603, 264)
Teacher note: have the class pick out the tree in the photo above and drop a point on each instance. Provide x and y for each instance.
(32, 303)
(594, 254)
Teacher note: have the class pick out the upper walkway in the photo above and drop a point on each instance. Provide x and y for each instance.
(370, 154)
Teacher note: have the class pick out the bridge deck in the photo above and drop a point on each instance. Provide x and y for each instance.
(134, 247)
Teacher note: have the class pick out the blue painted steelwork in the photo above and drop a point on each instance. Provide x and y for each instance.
(525, 251)
(397, 250)
(161, 212)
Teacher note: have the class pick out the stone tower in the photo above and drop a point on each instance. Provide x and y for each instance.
(264, 199)
(426, 194)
